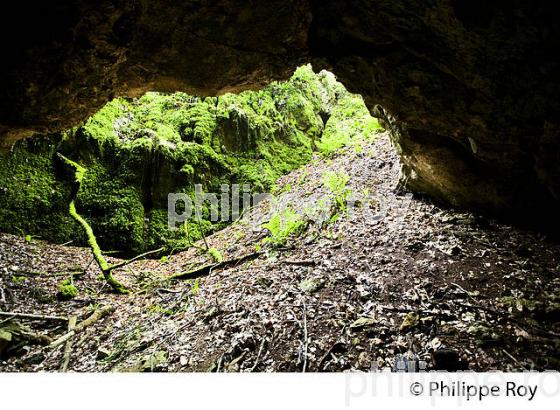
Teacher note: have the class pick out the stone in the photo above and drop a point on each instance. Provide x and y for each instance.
(103, 353)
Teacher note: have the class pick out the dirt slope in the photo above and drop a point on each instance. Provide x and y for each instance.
(398, 275)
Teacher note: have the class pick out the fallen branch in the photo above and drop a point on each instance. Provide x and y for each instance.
(68, 347)
(142, 255)
(208, 268)
(263, 341)
(29, 316)
(303, 262)
(49, 274)
(305, 339)
(79, 173)
(96, 316)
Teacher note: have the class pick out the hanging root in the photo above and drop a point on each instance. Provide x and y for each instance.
(105, 267)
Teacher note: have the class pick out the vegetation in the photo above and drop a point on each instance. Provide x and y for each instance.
(349, 124)
(282, 225)
(215, 254)
(137, 151)
(105, 267)
(337, 182)
(67, 290)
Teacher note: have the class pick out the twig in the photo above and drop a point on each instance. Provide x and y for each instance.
(208, 268)
(220, 363)
(504, 315)
(89, 264)
(466, 292)
(7, 320)
(305, 339)
(514, 359)
(97, 315)
(26, 254)
(142, 255)
(68, 348)
(29, 316)
(303, 262)
(49, 274)
(405, 310)
(258, 355)
(327, 354)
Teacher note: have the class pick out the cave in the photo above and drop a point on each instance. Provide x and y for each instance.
(457, 110)
(471, 89)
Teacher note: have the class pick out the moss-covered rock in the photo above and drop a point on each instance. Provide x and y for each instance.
(66, 290)
(136, 152)
(33, 200)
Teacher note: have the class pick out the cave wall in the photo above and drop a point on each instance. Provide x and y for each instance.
(469, 88)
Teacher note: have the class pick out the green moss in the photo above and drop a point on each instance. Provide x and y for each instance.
(102, 126)
(32, 198)
(349, 124)
(216, 255)
(66, 290)
(137, 151)
(114, 209)
(79, 176)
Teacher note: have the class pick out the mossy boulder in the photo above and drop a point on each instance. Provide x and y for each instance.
(137, 151)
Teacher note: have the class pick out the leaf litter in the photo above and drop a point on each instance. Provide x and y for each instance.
(396, 275)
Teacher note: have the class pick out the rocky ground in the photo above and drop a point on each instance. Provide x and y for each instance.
(396, 277)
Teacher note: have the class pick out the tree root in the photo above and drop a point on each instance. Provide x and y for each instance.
(105, 267)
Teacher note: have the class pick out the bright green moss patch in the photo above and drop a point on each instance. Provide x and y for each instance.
(66, 290)
(136, 152)
(32, 198)
(349, 124)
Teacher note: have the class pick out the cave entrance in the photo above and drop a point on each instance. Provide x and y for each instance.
(137, 152)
